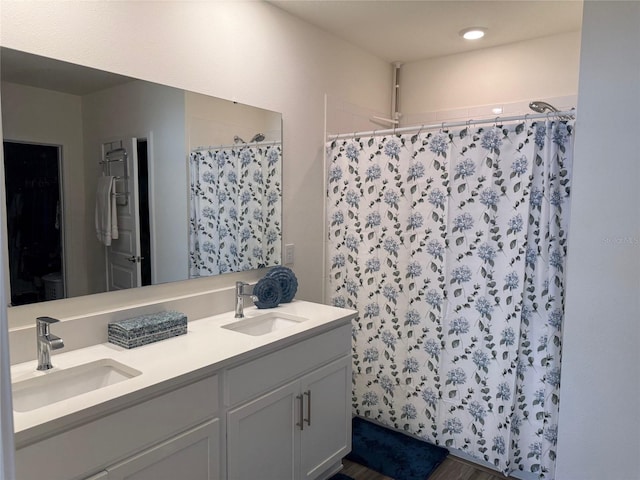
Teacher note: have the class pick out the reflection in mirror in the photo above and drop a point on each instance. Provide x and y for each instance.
(195, 181)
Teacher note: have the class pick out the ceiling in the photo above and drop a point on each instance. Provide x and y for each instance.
(407, 31)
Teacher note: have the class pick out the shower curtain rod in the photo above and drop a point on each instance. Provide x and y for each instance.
(529, 116)
(238, 145)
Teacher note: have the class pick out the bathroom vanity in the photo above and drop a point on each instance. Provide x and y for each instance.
(265, 397)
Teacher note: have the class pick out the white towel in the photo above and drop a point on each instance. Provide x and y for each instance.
(106, 213)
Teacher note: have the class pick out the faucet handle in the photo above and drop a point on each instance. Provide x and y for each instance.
(48, 320)
(42, 324)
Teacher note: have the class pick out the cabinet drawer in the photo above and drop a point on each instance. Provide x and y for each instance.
(110, 438)
(262, 374)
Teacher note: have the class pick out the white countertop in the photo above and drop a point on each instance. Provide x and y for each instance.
(167, 364)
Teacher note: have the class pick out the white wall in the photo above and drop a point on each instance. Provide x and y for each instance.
(43, 116)
(535, 69)
(250, 52)
(599, 428)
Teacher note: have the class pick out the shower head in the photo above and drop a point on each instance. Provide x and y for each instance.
(541, 107)
(258, 137)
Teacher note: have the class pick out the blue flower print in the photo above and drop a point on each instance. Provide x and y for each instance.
(221, 159)
(499, 445)
(436, 198)
(223, 232)
(435, 248)
(556, 259)
(481, 359)
(371, 355)
(412, 318)
(337, 218)
(371, 310)
(339, 301)
(560, 134)
(511, 281)
(351, 286)
(352, 198)
(433, 298)
(486, 252)
(245, 197)
(370, 399)
(351, 242)
(483, 306)
(555, 319)
(414, 269)
(535, 450)
(477, 410)
(466, 168)
(222, 196)
(208, 177)
(245, 157)
(556, 198)
(257, 177)
(411, 365)
(351, 151)
(461, 274)
(430, 397)
(257, 215)
(489, 197)
(387, 384)
(531, 256)
(453, 425)
(516, 223)
(520, 165)
(439, 144)
(432, 347)
(272, 157)
(373, 173)
(457, 376)
(415, 171)
(491, 139)
(541, 134)
(459, 326)
(504, 391)
(390, 293)
(388, 338)
(233, 213)
(208, 212)
(245, 234)
(373, 264)
(272, 236)
(536, 196)
(391, 245)
(272, 198)
(208, 247)
(373, 219)
(335, 173)
(463, 222)
(392, 149)
(551, 434)
(415, 220)
(232, 177)
(409, 411)
(508, 336)
(391, 198)
(516, 423)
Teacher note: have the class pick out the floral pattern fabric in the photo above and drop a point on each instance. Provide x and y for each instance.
(235, 209)
(451, 245)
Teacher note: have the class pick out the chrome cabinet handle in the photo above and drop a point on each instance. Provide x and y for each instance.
(301, 423)
(308, 394)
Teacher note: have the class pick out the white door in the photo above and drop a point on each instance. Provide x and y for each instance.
(326, 437)
(123, 255)
(262, 437)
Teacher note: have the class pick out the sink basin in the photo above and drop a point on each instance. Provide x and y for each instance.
(59, 385)
(263, 324)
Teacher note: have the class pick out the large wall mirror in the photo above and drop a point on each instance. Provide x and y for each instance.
(114, 182)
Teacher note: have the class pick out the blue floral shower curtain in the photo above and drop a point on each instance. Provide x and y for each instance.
(451, 245)
(235, 205)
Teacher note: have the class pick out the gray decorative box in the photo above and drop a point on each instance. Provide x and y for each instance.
(138, 331)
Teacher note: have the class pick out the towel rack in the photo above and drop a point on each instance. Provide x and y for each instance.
(115, 156)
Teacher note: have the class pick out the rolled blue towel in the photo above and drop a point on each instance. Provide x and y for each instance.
(268, 293)
(288, 282)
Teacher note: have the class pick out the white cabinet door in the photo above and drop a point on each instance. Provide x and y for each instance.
(192, 455)
(261, 437)
(326, 437)
(295, 432)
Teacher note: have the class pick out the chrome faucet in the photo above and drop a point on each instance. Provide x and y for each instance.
(46, 342)
(240, 294)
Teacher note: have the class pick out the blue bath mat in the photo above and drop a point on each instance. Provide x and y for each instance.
(392, 453)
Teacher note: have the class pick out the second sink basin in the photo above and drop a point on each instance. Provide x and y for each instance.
(263, 324)
(62, 384)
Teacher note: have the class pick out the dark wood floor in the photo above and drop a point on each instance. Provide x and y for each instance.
(451, 469)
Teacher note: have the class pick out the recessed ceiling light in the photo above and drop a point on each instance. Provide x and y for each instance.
(473, 33)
